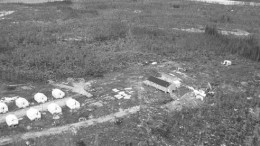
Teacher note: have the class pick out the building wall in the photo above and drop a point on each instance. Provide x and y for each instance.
(28, 1)
(171, 88)
(156, 86)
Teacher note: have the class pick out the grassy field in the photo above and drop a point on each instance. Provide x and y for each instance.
(94, 38)
(101, 34)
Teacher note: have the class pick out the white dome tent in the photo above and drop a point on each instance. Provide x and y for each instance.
(21, 102)
(72, 104)
(11, 120)
(54, 108)
(33, 114)
(3, 108)
(57, 93)
(40, 98)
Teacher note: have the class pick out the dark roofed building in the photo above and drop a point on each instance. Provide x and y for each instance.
(158, 84)
(159, 81)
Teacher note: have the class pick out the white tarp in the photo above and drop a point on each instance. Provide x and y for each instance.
(4, 13)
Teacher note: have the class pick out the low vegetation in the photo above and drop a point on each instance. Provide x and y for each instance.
(95, 38)
(36, 51)
(226, 120)
(247, 47)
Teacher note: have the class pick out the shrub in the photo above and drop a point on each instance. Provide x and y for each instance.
(211, 30)
(5, 45)
(146, 31)
(248, 47)
(109, 31)
(225, 19)
(222, 19)
(75, 13)
(176, 6)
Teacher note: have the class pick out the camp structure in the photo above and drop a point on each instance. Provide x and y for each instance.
(171, 79)
(160, 84)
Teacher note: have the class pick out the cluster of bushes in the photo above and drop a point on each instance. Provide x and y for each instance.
(35, 53)
(248, 47)
(60, 61)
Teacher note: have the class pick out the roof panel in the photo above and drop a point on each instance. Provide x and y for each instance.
(158, 81)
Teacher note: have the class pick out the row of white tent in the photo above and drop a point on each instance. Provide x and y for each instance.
(21, 102)
(33, 113)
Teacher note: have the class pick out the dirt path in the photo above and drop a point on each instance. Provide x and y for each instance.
(201, 29)
(236, 32)
(77, 88)
(69, 127)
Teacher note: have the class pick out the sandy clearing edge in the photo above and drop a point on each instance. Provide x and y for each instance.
(236, 32)
(42, 107)
(76, 89)
(229, 2)
(28, 1)
(5, 13)
(66, 128)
